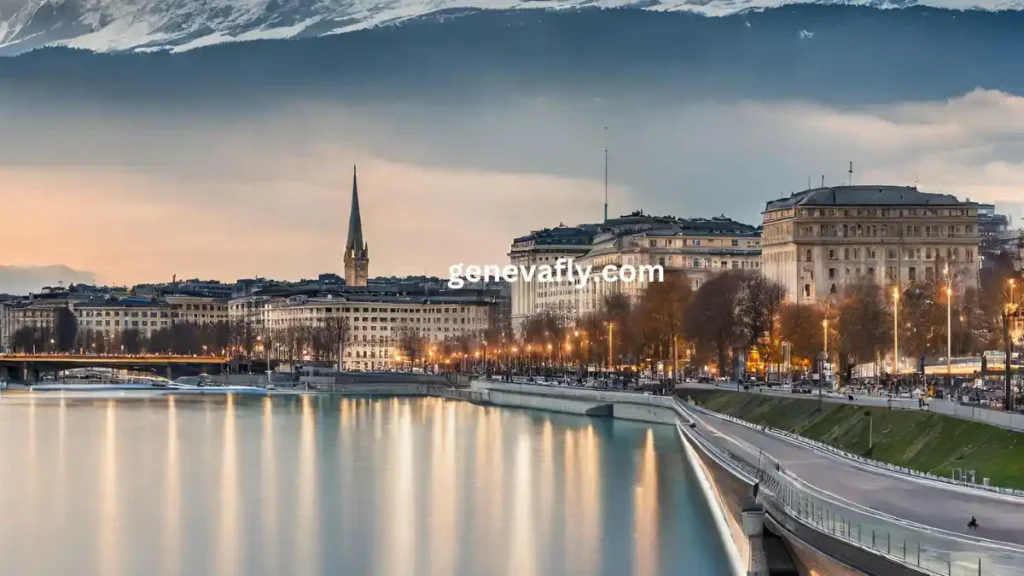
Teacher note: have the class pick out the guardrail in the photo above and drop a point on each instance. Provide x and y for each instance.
(823, 447)
(872, 535)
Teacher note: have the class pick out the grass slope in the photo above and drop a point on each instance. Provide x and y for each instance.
(919, 440)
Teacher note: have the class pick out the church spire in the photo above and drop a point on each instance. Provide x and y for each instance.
(355, 223)
(357, 253)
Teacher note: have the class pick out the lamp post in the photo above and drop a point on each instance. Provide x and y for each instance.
(949, 336)
(1008, 388)
(611, 345)
(895, 332)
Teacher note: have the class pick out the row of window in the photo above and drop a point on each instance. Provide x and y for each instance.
(132, 323)
(868, 253)
(682, 242)
(886, 231)
(884, 212)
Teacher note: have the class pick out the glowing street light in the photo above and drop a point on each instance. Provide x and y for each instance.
(895, 329)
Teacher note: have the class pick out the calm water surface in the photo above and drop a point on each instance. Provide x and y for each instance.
(318, 485)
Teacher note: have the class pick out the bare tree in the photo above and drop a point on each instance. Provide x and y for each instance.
(132, 340)
(662, 313)
(758, 309)
(865, 324)
(65, 329)
(713, 322)
(801, 327)
(412, 344)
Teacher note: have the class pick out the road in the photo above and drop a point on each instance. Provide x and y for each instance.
(928, 503)
(931, 504)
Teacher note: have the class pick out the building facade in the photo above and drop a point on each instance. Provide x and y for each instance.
(370, 327)
(697, 247)
(817, 241)
(107, 318)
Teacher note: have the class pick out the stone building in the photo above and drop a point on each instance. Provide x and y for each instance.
(819, 240)
(698, 247)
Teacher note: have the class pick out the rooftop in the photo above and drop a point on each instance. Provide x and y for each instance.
(868, 195)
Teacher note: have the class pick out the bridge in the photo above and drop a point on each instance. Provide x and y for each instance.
(29, 367)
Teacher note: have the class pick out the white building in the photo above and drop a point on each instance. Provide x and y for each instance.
(108, 318)
(698, 247)
(819, 240)
(373, 324)
(197, 309)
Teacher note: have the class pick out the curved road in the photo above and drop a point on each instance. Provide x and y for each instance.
(932, 504)
(927, 503)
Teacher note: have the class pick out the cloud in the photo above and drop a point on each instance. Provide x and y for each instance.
(142, 197)
(26, 279)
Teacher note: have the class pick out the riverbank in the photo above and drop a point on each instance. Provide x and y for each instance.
(923, 441)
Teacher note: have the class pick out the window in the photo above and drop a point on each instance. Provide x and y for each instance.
(654, 243)
(831, 273)
(809, 257)
(807, 290)
(912, 274)
(735, 242)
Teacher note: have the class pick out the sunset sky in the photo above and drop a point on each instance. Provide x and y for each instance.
(129, 197)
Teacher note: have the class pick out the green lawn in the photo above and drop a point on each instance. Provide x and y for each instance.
(920, 440)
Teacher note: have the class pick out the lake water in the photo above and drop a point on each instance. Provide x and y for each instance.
(309, 485)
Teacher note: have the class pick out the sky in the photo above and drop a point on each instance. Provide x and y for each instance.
(126, 198)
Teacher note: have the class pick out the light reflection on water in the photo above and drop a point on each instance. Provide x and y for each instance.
(317, 485)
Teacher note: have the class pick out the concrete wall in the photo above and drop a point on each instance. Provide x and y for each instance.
(645, 413)
(549, 403)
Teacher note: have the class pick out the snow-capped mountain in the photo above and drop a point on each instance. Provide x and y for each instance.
(120, 25)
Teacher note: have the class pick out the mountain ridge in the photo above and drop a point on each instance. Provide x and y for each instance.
(182, 25)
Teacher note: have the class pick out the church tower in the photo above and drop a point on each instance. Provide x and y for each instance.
(357, 252)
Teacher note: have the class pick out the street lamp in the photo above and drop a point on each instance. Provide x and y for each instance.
(611, 345)
(949, 336)
(1010, 308)
(824, 357)
(895, 332)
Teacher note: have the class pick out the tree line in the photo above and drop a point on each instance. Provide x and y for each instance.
(742, 311)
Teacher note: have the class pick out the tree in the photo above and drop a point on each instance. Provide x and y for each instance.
(412, 344)
(131, 340)
(185, 338)
(712, 321)
(65, 329)
(801, 326)
(662, 311)
(865, 326)
(758, 308)
(25, 338)
(541, 328)
(335, 331)
(243, 337)
(922, 317)
(159, 341)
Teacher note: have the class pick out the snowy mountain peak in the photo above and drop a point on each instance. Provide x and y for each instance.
(119, 25)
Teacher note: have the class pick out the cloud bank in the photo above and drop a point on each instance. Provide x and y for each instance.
(141, 197)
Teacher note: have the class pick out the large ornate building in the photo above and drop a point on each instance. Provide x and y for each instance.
(699, 247)
(357, 251)
(819, 240)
